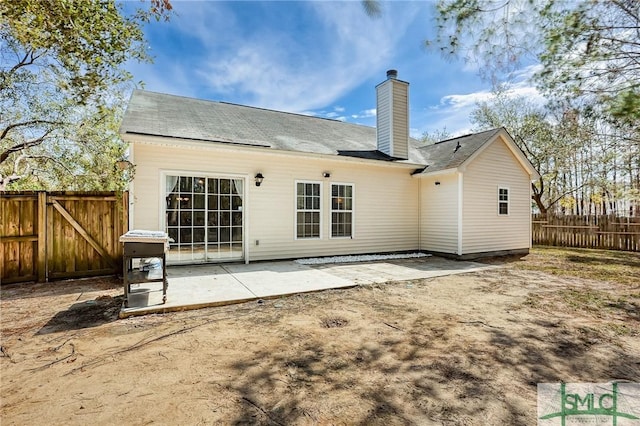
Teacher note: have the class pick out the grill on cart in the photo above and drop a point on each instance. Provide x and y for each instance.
(149, 249)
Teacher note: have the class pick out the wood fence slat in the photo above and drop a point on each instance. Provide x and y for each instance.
(69, 263)
(94, 217)
(26, 266)
(107, 231)
(605, 232)
(84, 252)
(57, 237)
(26, 227)
(101, 217)
(42, 237)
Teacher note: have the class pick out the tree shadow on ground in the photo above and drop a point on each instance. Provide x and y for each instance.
(503, 260)
(604, 260)
(420, 371)
(90, 313)
(58, 288)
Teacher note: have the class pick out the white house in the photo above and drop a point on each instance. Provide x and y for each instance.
(237, 183)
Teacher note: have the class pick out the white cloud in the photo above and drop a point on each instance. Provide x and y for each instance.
(269, 64)
(453, 111)
(526, 73)
(254, 53)
(367, 113)
(457, 102)
(335, 114)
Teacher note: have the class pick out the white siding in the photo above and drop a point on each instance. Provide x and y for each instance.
(483, 228)
(400, 119)
(383, 117)
(439, 213)
(385, 210)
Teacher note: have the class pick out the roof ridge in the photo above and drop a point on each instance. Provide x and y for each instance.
(185, 118)
(495, 129)
(175, 96)
(256, 108)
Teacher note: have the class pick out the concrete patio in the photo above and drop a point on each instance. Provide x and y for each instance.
(199, 286)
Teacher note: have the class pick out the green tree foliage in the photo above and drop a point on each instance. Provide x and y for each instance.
(586, 142)
(585, 165)
(62, 83)
(372, 8)
(438, 135)
(527, 124)
(588, 49)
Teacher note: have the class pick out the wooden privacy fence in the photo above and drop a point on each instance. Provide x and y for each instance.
(54, 235)
(604, 232)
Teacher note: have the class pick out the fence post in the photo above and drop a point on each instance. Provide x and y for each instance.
(42, 236)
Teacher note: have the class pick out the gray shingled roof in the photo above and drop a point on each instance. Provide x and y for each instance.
(451, 153)
(165, 115)
(173, 116)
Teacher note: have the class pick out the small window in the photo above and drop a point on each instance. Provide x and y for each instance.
(308, 210)
(503, 201)
(341, 210)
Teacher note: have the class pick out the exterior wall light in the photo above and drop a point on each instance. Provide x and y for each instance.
(437, 183)
(259, 178)
(326, 174)
(123, 164)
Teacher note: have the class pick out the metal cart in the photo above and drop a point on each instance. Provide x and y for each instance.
(140, 245)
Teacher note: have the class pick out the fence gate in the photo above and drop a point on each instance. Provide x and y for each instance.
(47, 236)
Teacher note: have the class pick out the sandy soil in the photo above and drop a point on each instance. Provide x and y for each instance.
(460, 350)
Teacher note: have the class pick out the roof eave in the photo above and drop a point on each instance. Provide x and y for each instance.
(176, 142)
(425, 173)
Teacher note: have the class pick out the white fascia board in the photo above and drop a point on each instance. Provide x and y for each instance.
(221, 146)
(437, 173)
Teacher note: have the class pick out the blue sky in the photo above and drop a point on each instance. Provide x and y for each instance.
(319, 58)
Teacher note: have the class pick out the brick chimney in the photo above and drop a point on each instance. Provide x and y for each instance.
(392, 116)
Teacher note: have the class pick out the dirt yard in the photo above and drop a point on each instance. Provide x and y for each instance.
(461, 350)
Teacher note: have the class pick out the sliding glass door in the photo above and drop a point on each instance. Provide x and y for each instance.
(204, 218)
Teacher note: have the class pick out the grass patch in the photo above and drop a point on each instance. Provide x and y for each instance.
(622, 329)
(619, 267)
(585, 299)
(594, 302)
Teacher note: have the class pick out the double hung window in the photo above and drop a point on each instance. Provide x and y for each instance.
(308, 209)
(341, 210)
(503, 201)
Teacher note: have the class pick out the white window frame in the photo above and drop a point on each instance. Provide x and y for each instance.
(296, 210)
(507, 202)
(352, 211)
(162, 219)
